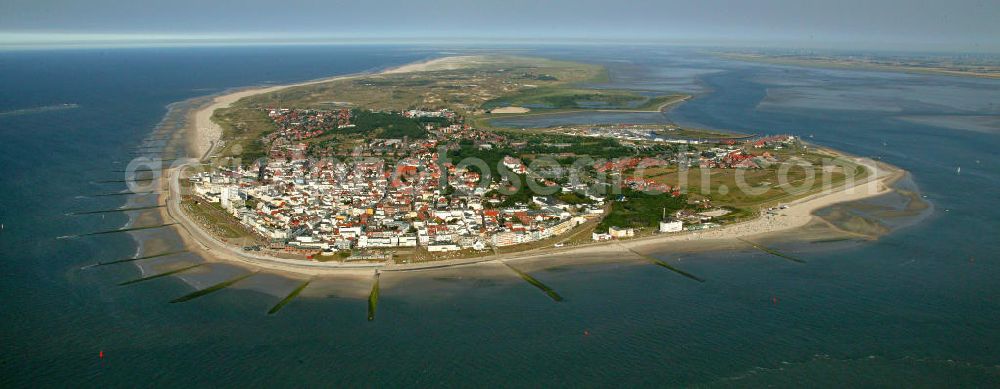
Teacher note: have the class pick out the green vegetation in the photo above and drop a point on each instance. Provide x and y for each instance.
(540, 84)
(492, 157)
(210, 289)
(597, 148)
(701, 133)
(339, 255)
(392, 82)
(215, 218)
(242, 130)
(464, 87)
(658, 102)
(570, 98)
(549, 143)
(387, 125)
(637, 209)
(722, 186)
(372, 125)
(573, 198)
(521, 196)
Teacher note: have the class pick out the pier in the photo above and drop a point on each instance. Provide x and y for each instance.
(115, 231)
(772, 251)
(214, 288)
(123, 194)
(114, 210)
(123, 181)
(660, 263)
(373, 298)
(155, 276)
(135, 259)
(295, 292)
(536, 283)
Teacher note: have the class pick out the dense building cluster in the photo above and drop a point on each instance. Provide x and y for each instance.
(301, 201)
(311, 194)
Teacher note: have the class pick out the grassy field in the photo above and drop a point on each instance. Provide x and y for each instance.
(700, 133)
(659, 102)
(722, 186)
(242, 128)
(479, 80)
(214, 218)
(640, 210)
(481, 83)
(678, 133)
(463, 90)
(566, 98)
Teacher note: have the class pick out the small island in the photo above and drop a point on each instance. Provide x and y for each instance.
(983, 66)
(403, 169)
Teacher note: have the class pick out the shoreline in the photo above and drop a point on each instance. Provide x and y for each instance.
(201, 136)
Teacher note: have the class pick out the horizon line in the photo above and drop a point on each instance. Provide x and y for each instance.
(25, 41)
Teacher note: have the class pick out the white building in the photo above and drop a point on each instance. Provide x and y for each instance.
(671, 226)
(621, 232)
(442, 247)
(600, 236)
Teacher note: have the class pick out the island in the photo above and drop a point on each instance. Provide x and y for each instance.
(403, 169)
(981, 66)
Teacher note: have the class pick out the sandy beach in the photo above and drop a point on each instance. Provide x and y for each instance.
(444, 63)
(511, 110)
(203, 135)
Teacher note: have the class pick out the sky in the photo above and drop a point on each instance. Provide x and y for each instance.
(910, 25)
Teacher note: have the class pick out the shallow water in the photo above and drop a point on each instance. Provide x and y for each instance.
(916, 306)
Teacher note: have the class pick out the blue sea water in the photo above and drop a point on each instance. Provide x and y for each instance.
(918, 307)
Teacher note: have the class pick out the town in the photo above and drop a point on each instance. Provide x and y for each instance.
(354, 182)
